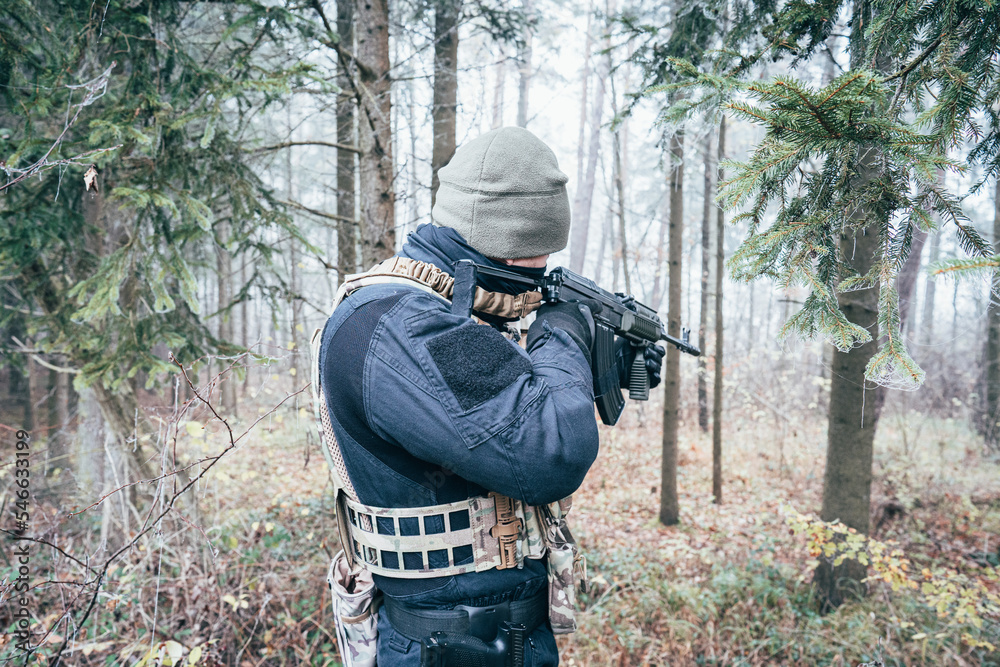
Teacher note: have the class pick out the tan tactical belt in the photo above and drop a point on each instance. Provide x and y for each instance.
(497, 531)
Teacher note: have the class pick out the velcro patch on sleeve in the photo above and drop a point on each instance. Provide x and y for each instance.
(477, 363)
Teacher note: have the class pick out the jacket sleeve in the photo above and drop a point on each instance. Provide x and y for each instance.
(460, 395)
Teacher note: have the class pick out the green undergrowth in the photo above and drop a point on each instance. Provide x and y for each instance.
(759, 612)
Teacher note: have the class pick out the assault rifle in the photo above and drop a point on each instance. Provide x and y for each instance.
(621, 315)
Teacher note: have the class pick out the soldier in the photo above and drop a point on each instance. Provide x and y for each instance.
(451, 445)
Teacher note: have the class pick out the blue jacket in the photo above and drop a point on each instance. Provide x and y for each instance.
(430, 407)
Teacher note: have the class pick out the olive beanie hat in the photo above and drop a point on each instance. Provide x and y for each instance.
(504, 193)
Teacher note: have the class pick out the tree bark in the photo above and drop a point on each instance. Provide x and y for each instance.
(378, 198)
(585, 172)
(124, 420)
(706, 258)
(927, 314)
(990, 423)
(59, 447)
(620, 189)
(295, 297)
(244, 325)
(656, 296)
(907, 279)
(669, 508)
(347, 254)
(581, 150)
(851, 430)
(602, 249)
(500, 72)
(524, 70)
(445, 103)
(720, 255)
(224, 266)
(88, 458)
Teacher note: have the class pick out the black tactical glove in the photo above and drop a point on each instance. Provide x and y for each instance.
(575, 318)
(625, 355)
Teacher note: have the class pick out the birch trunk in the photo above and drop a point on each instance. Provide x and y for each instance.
(720, 255)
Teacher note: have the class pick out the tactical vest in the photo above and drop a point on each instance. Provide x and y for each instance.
(502, 531)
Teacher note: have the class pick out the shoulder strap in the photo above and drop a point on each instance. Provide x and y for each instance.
(430, 277)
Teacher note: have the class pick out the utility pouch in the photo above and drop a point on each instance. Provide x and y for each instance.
(562, 588)
(355, 608)
(561, 564)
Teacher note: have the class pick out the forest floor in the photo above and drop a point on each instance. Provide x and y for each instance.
(238, 578)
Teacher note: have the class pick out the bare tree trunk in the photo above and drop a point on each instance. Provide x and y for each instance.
(990, 423)
(927, 315)
(412, 210)
(378, 198)
(295, 300)
(524, 71)
(52, 431)
(706, 256)
(720, 254)
(20, 383)
(669, 507)
(906, 282)
(126, 423)
(581, 151)
(848, 477)
(88, 455)
(347, 255)
(500, 72)
(661, 245)
(620, 189)
(605, 232)
(584, 186)
(445, 103)
(616, 258)
(954, 312)
(244, 326)
(224, 267)
(59, 442)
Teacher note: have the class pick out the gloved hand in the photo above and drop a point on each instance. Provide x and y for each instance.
(575, 318)
(625, 355)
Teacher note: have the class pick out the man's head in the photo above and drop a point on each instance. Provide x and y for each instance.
(504, 193)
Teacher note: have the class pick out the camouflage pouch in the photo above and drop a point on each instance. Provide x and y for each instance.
(355, 608)
(562, 588)
(561, 564)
